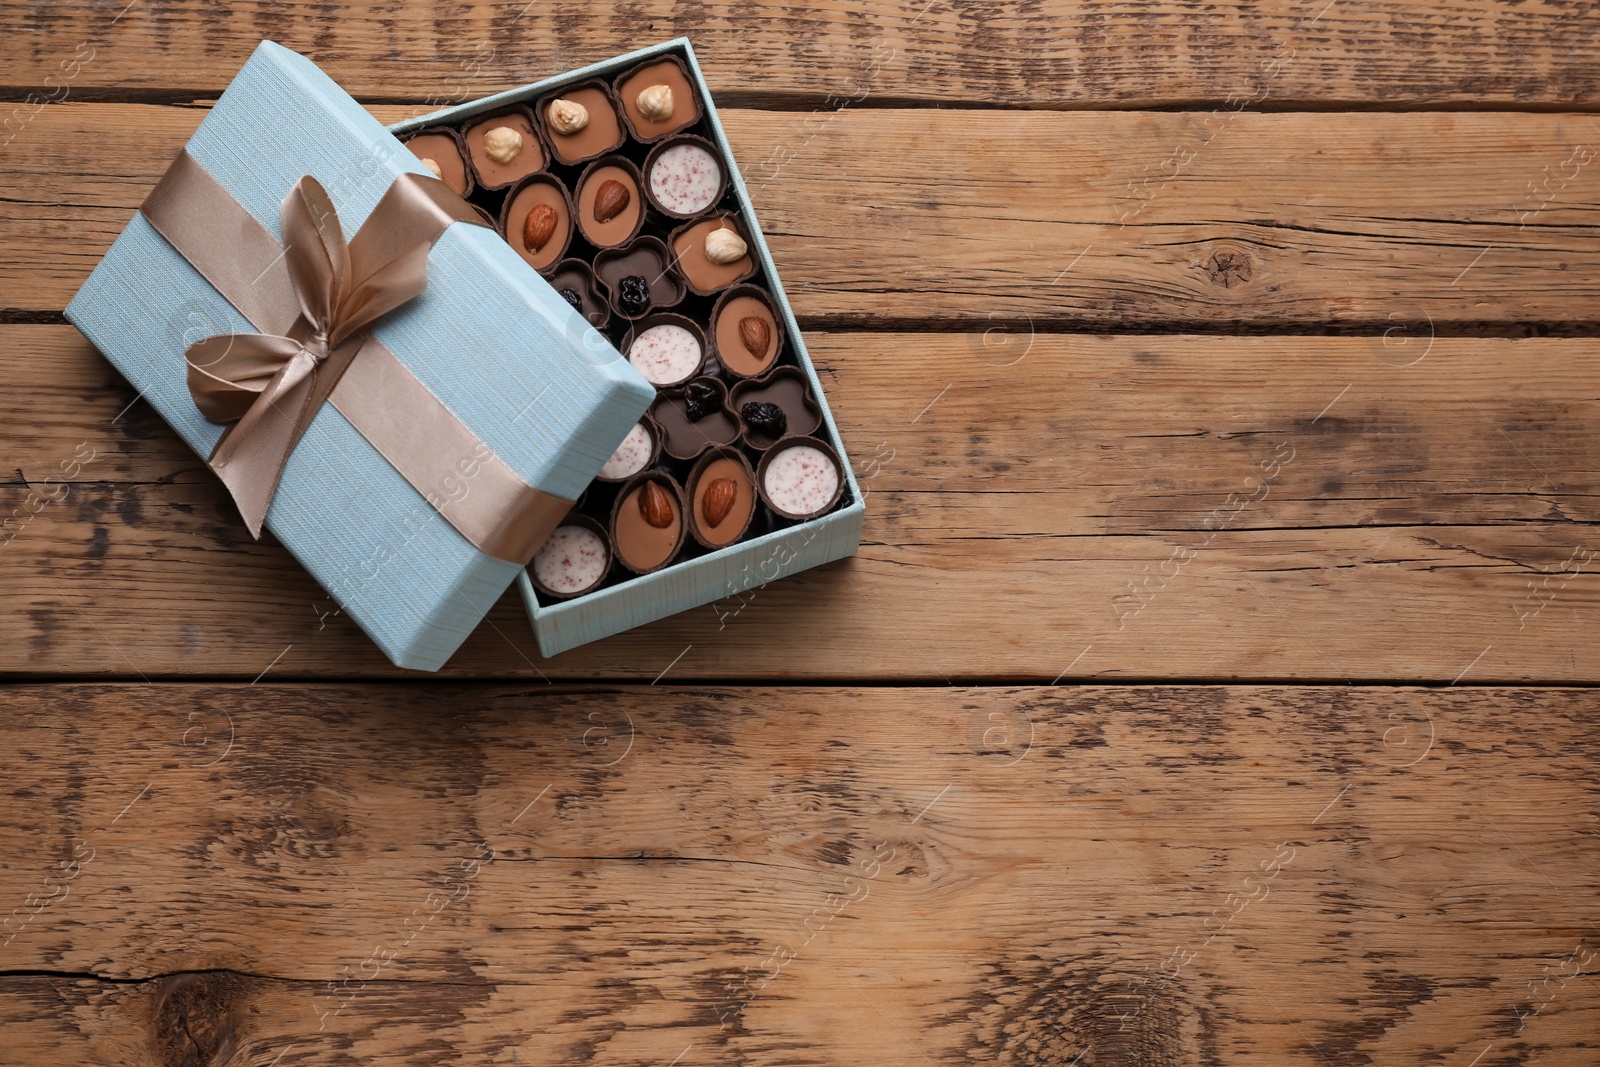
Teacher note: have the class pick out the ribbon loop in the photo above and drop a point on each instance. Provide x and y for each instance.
(316, 298)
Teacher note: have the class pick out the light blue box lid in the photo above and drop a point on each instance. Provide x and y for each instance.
(490, 338)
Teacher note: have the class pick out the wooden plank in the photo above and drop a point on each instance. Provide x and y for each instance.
(1379, 222)
(1133, 508)
(433, 873)
(1052, 54)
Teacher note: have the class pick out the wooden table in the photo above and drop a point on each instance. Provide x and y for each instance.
(1214, 685)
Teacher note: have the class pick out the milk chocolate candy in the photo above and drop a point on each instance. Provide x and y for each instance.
(537, 220)
(721, 492)
(445, 148)
(504, 148)
(610, 202)
(704, 276)
(647, 524)
(601, 133)
(745, 335)
(651, 77)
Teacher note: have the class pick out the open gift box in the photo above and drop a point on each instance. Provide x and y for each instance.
(426, 455)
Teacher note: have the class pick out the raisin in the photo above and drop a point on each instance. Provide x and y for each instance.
(571, 296)
(700, 399)
(633, 294)
(765, 419)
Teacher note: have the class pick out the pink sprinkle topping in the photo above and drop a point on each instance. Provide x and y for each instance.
(685, 179)
(571, 561)
(801, 480)
(631, 455)
(665, 354)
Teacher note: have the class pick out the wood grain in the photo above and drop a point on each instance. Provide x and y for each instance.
(1006, 876)
(1088, 53)
(1134, 508)
(1384, 223)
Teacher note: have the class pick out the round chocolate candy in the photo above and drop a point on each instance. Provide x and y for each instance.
(800, 478)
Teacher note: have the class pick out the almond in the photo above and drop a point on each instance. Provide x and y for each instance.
(538, 227)
(610, 200)
(756, 335)
(718, 501)
(655, 506)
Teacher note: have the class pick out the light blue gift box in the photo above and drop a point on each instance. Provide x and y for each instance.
(492, 340)
(739, 567)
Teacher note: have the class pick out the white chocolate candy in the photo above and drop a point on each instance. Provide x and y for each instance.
(685, 179)
(665, 354)
(800, 480)
(572, 560)
(631, 455)
(502, 144)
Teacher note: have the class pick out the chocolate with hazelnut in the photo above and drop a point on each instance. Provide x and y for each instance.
(443, 149)
(658, 98)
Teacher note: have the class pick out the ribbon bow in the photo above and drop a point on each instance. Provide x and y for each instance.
(270, 387)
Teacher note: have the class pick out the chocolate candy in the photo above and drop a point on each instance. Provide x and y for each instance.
(722, 497)
(444, 147)
(703, 275)
(504, 148)
(685, 437)
(610, 205)
(786, 388)
(574, 276)
(648, 80)
(647, 524)
(667, 350)
(538, 197)
(800, 478)
(573, 560)
(646, 258)
(637, 451)
(683, 177)
(745, 332)
(601, 131)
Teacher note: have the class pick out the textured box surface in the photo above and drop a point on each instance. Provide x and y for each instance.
(547, 393)
(739, 567)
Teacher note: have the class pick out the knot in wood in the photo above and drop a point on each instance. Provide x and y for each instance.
(195, 1023)
(1229, 267)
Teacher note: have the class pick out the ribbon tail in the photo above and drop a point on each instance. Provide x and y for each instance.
(250, 456)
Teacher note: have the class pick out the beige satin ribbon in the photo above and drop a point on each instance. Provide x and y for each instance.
(315, 300)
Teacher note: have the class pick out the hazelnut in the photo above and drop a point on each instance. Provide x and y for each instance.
(538, 227)
(433, 166)
(724, 246)
(655, 103)
(655, 506)
(502, 144)
(567, 116)
(610, 200)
